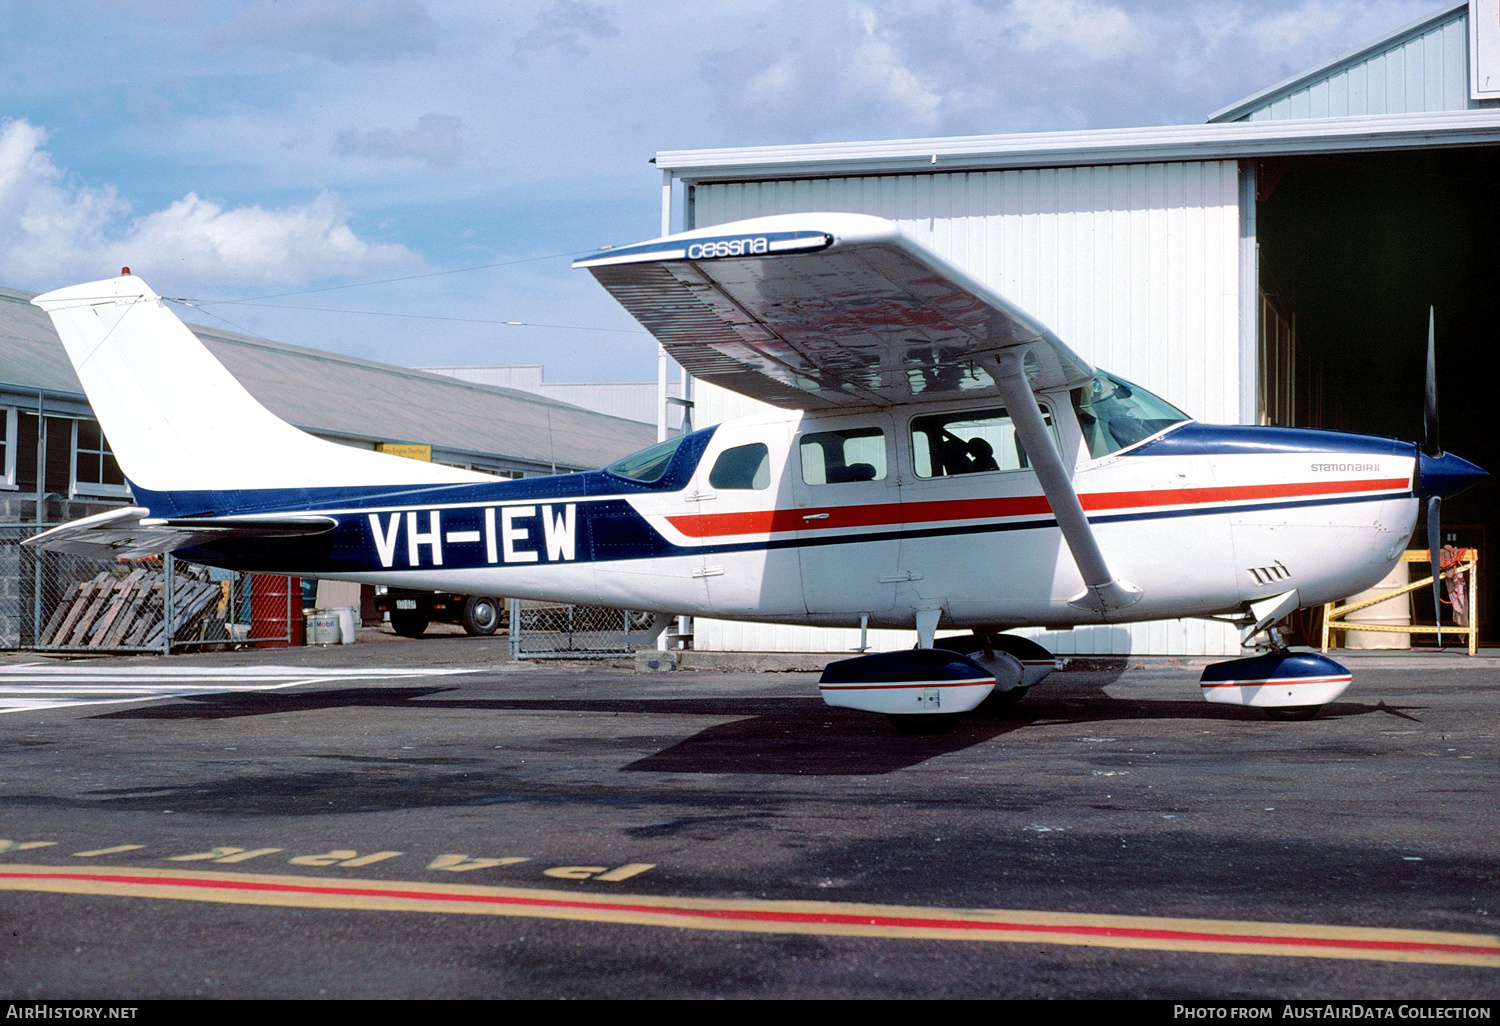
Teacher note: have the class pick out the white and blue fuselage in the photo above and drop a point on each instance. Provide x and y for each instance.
(1203, 519)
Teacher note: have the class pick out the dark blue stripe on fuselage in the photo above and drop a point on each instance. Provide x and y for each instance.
(1195, 439)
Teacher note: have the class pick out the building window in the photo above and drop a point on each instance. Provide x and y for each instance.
(75, 457)
(55, 457)
(95, 470)
(8, 447)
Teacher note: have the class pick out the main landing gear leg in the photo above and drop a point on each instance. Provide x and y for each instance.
(1018, 664)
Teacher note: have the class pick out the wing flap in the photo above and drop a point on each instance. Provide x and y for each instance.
(854, 314)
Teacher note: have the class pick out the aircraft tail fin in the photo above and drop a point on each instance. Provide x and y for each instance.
(178, 421)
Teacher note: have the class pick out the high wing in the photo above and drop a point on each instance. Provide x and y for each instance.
(833, 311)
(827, 311)
(132, 532)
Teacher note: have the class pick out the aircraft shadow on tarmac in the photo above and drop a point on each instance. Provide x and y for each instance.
(777, 736)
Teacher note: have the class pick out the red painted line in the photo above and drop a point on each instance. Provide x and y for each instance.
(775, 521)
(778, 915)
(881, 687)
(1346, 678)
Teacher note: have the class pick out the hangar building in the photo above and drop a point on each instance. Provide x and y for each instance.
(1273, 265)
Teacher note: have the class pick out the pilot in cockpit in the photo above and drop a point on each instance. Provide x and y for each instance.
(981, 455)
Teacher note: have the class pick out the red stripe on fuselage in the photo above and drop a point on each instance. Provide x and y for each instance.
(974, 683)
(775, 521)
(1263, 681)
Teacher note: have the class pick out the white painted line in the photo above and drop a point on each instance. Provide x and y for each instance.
(219, 672)
(36, 688)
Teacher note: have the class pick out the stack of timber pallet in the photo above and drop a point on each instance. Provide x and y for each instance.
(127, 612)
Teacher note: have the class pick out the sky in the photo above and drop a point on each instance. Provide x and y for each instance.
(268, 161)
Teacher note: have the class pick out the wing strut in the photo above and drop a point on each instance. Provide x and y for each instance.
(1103, 591)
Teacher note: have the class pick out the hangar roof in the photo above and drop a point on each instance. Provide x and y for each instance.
(356, 400)
(1423, 66)
(1239, 139)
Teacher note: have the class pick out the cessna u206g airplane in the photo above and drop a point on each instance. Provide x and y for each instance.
(943, 461)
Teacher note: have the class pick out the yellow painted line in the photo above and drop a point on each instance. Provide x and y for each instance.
(117, 849)
(802, 917)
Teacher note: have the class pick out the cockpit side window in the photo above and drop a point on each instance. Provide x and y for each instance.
(1113, 414)
(837, 457)
(744, 466)
(971, 442)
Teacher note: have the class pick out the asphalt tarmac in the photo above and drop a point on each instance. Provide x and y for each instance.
(429, 819)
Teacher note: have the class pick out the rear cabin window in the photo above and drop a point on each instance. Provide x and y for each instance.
(744, 466)
(837, 457)
(972, 442)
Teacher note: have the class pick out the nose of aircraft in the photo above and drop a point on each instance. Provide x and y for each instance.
(1446, 475)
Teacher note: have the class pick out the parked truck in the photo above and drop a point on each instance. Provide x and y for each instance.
(411, 611)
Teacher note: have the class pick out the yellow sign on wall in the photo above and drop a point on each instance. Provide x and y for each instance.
(411, 452)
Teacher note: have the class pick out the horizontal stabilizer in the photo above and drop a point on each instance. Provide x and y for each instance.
(132, 533)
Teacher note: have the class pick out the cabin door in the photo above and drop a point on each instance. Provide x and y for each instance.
(848, 502)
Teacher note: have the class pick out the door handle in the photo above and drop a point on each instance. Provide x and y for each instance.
(815, 516)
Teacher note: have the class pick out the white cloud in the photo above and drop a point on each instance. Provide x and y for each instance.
(254, 245)
(1097, 31)
(54, 230)
(434, 140)
(1313, 23)
(342, 31)
(876, 71)
(564, 24)
(823, 76)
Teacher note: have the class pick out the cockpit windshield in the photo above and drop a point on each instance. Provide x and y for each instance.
(649, 464)
(1114, 414)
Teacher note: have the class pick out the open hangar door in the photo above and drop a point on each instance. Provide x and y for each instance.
(1353, 251)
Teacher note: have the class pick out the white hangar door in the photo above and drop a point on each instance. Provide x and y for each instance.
(1136, 266)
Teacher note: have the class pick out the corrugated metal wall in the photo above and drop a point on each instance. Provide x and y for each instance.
(1134, 266)
(1427, 72)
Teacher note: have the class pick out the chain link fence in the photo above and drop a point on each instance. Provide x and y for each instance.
(547, 630)
(53, 601)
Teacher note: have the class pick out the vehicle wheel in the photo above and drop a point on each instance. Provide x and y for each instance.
(913, 724)
(408, 625)
(1292, 712)
(481, 615)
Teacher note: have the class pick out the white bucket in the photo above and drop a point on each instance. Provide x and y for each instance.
(346, 623)
(1395, 611)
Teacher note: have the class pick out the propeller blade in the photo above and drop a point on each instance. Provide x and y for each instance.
(1430, 444)
(1434, 549)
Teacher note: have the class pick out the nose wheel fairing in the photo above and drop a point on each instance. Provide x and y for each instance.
(1276, 680)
